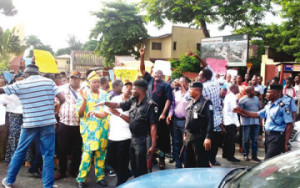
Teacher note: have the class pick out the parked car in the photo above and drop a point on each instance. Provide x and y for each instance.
(282, 171)
(294, 142)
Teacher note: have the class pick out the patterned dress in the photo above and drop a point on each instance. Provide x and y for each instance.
(94, 132)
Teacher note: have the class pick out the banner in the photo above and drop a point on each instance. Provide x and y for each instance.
(45, 61)
(126, 73)
(233, 49)
(164, 66)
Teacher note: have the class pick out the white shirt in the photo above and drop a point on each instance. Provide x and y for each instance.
(229, 117)
(297, 90)
(2, 110)
(118, 128)
(259, 89)
(13, 104)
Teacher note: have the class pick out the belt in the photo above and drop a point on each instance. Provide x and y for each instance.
(274, 132)
(180, 118)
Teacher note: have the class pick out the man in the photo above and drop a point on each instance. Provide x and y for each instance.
(178, 112)
(143, 114)
(37, 96)
(117, 86)
(161, 93)
(4, 128)
(288, 89)
(279, 122)
(199, 127)
(69, 137)
(258, 89)
(231, 123)
(259, 81)
(251, 126)
(242, 87)
(211, 91)
(119, 137)
(104, 84)
(296, 87)
(247, 79)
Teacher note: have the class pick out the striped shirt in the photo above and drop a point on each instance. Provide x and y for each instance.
(36, 94)
(67, 113)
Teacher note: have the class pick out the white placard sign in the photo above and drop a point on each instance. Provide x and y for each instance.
(164, 66)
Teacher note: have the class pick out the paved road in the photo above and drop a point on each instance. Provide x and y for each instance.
(24, 180)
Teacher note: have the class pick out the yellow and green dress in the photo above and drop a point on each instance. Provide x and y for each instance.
(94, 133)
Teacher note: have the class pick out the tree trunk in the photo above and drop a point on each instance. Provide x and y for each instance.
(204, 28)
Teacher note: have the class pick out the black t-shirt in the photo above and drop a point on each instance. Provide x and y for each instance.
(159, 92)
(141, 115)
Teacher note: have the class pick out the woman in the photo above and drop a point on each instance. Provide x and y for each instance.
(15, 111)
(93, 128)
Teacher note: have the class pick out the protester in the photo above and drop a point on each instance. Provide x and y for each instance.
(199, 127)
(69, 138)
(93, 129)
(4, 127)
(119, 137)
(288, 89)
(178, 114)
(143, 114)
(37, 96)
(117, 86)
(247, 79)
(231, 123)
(279, 122)
(104, 84)
(161, 93)
(250, 126)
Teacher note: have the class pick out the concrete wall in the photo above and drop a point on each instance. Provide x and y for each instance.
(164, 53)
(62, 65)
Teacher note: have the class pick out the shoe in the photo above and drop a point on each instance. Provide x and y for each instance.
(6, 185)
(233, 159)
(59, 176)
(81, 185)
(102, 183)
(171, 160)
(256, 159)
(111, 173)
(162, 165)
(36, 174)
(27, 164)
(246, 158)
(216, 163)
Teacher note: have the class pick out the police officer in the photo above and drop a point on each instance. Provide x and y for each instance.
(279, 121)
(199, 126)
(143, 114)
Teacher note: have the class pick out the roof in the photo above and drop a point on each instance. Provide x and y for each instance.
(64, 56)
(161, 36)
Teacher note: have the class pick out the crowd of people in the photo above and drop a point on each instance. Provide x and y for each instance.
(128, 128)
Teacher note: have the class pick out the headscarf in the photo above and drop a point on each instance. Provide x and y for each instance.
(92, 76)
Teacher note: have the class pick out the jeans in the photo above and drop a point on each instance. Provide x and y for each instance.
(250, 131)
(119, 159)
(178, 132)
(46, 137)
(137, 153)
(37, 161)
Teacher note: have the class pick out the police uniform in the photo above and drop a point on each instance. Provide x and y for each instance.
(141, 117)
(199, 126)
(277, 115)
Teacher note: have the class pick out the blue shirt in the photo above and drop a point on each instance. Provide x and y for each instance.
(277, 115)
(249, 104)
(290, 101)
(37, 95)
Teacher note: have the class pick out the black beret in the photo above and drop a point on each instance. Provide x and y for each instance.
(141, 83)
(276, 87)
(196, 84)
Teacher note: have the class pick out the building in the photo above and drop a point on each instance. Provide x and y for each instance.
(173, 45)
(63, 63)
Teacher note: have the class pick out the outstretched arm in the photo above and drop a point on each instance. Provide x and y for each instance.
(246, 113)
(203, 63)
(142, 62)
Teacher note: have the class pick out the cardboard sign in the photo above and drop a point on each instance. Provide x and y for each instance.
(217, 65)
(45, 61)
(164, 66)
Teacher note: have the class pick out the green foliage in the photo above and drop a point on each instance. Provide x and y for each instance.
(7, 8)
(73, 44)
(199, 12)
(90, 45)
(120, 29)
(34, 42)
(184, 64)
(10, 45)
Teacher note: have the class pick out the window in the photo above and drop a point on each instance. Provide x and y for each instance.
(156, 46)
(174, 45)
(198, 46)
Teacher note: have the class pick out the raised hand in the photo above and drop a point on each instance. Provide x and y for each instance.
(83, 93)
(142, 51)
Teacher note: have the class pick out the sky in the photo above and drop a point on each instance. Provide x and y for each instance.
(54, 20)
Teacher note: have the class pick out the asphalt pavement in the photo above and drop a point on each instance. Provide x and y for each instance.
(25, 180)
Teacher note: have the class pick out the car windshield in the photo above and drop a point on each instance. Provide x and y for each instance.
(281, 171)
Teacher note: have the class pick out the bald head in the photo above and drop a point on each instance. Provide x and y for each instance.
(234, 88)
(250, 91)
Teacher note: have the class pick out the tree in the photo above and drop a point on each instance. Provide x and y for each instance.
(120, 29)
(234, 13)
(90, 45)
(10, 45)
(34, 42)
(73, 44)
(7, 8)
